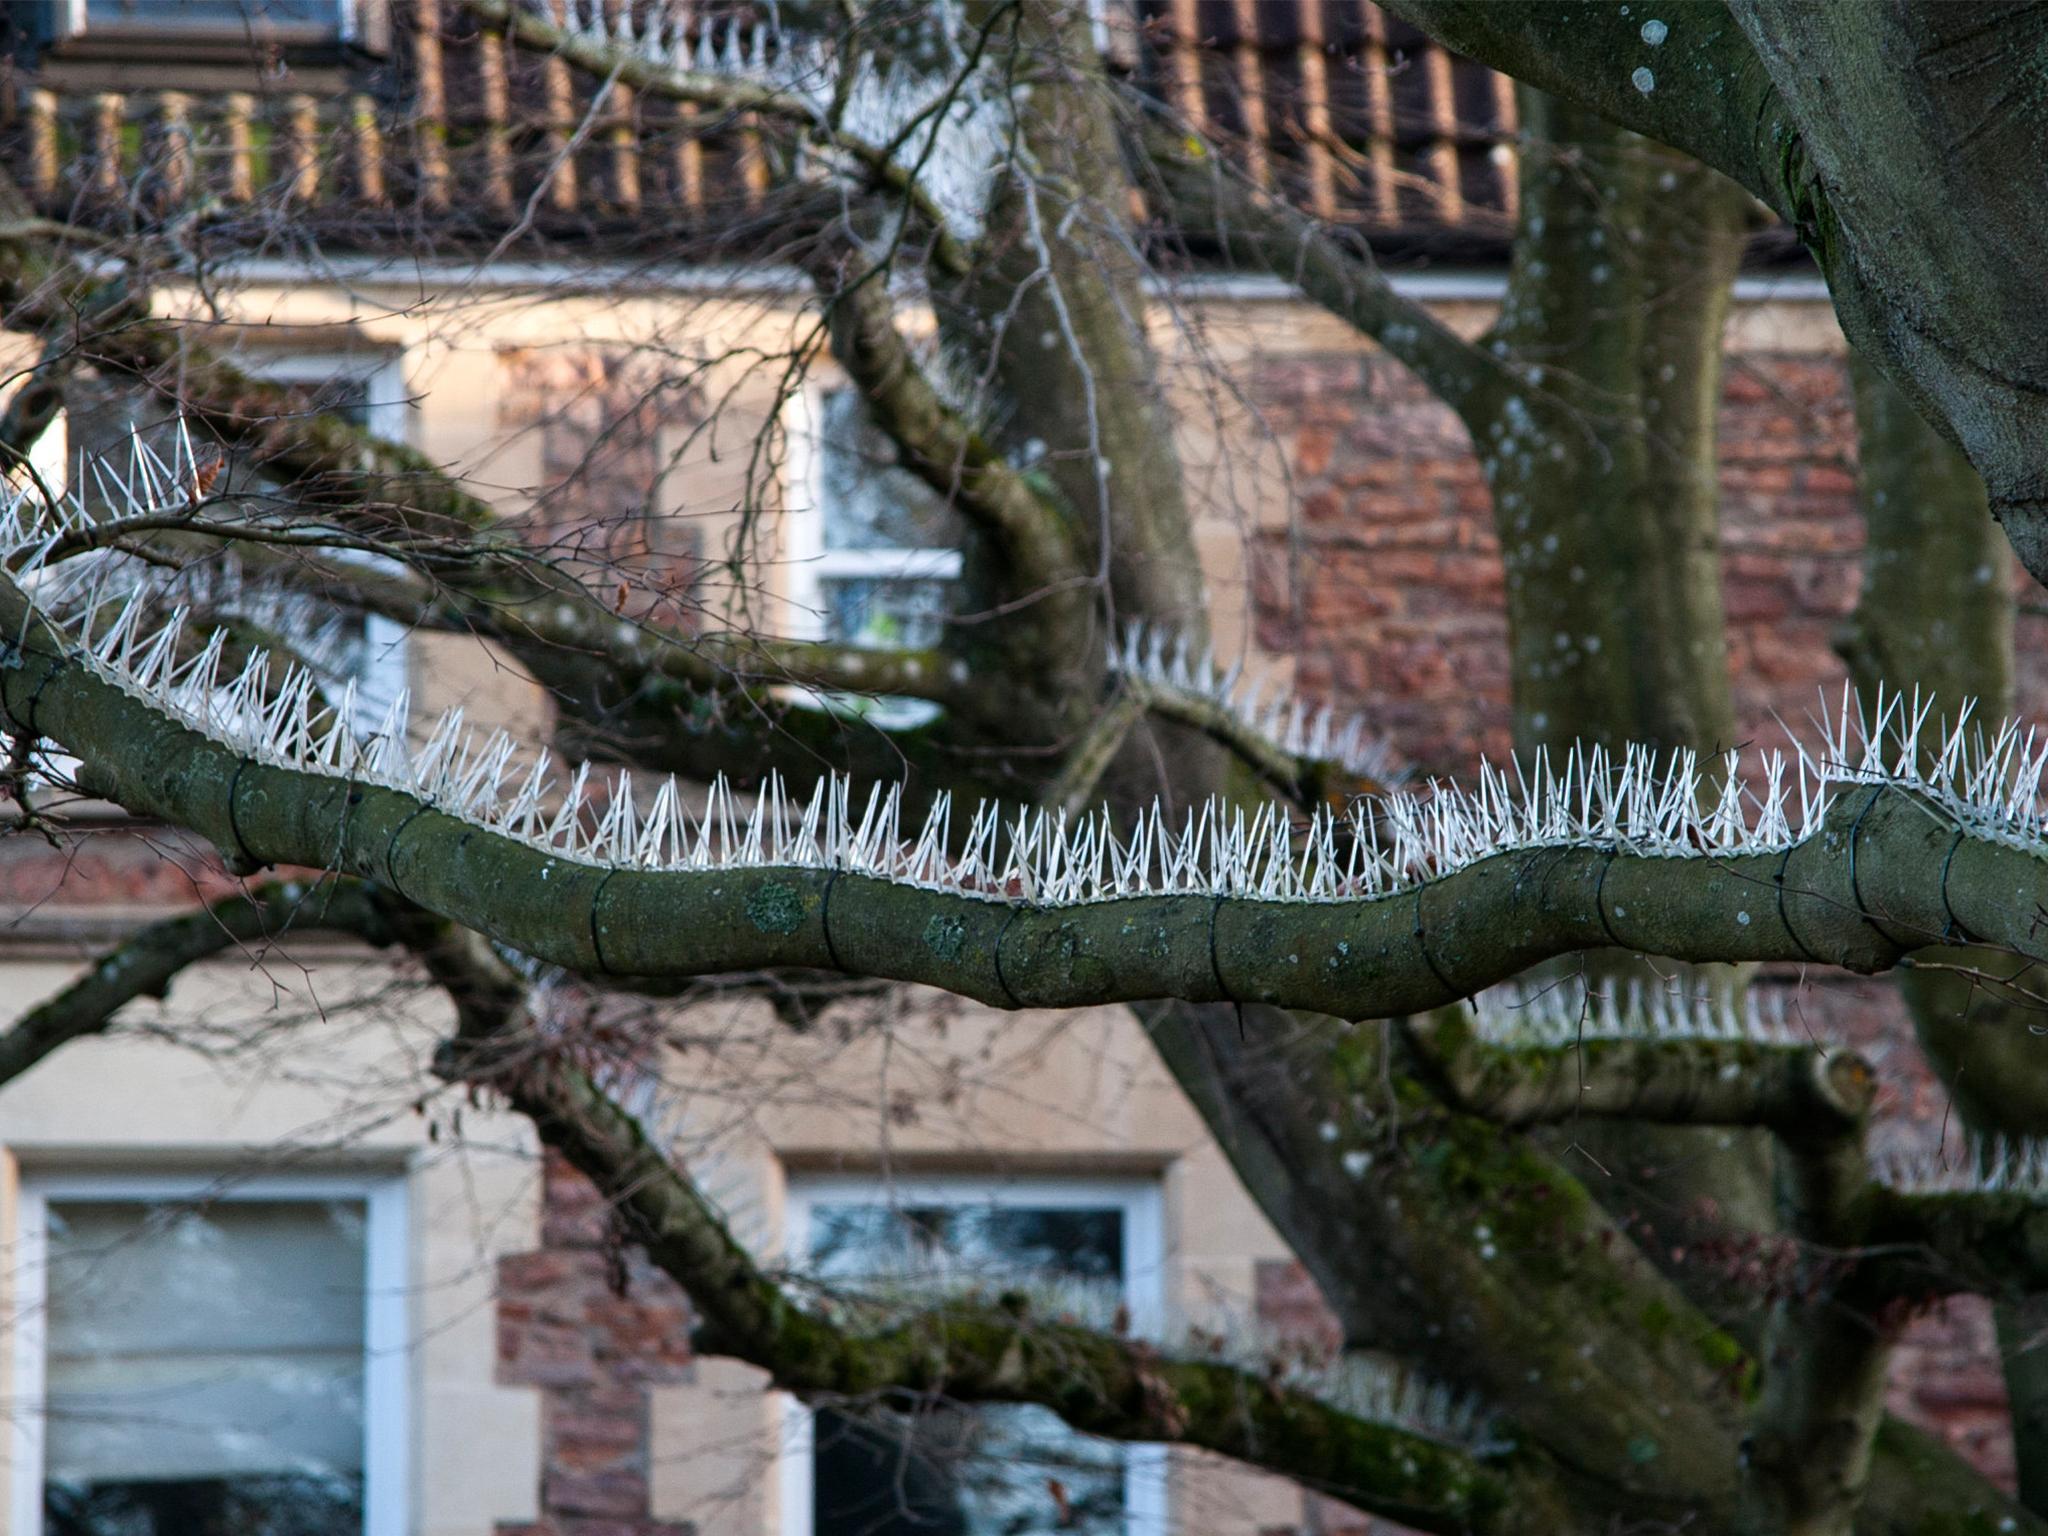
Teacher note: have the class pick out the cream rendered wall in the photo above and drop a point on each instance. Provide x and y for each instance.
(331, 1061)
(1072, 1093)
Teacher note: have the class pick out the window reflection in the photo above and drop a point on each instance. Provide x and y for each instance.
(204, 1369)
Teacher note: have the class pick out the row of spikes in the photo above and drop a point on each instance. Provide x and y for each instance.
(1570, 1012)
(1152, 654)
(1373, 849)
(1995, 1165)
(1668, 807)
(308, 628)
(660, 32)
(138, 483)
(966, 122)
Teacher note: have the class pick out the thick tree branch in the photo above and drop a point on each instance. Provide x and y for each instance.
(1680, 72)
(1825, 1352)
(1920, 1245)
(1789, 1088)
(972, 1352)
(1887, 871)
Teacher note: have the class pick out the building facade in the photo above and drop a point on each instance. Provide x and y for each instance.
(375, 1310)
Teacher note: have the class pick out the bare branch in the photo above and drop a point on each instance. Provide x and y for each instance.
(727, 93)
(1100, 1383)
(1207, 195)
(144, 964)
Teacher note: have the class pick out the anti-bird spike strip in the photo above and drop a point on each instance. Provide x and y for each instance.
(1564, 1014)
(1889, 835)
(1990, 1166)
(949, 127)
(1316, 733)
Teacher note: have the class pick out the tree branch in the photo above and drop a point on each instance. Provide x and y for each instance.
(941, 449)
(1091, 755)
(1967, 1242)
(735, 95)
(970, 1352)
(1887, 870)
(144, 964)
(1209, 196)
(535, 608)
(1308, 782)
(1788, 1088)
(1680, 72)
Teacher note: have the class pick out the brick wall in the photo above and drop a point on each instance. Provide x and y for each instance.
(589, 1322)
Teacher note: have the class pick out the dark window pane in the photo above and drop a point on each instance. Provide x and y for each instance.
(242, 1506)
(954, 1472)
(976, 1242)
(869, 500)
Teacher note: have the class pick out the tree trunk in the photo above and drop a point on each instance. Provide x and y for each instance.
(1607, 508)
(1609, 520)
(1936, 612)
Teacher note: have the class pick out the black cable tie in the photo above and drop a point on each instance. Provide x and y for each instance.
(1955, 925)
(234, 819)
(35, 701)
(1785, 917)
(1002, 980)
(1422, 943)
(1855, 892)
(825, 917)
(391, 846)
(1216, 963)
(1600, 900)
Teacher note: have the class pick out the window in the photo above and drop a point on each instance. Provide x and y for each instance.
(991, 1471)
(198, 1360)
(874, 552)
(368, 390)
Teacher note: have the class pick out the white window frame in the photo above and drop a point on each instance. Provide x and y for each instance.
(71, 22)
(390, 412)
(1144, 1298)
(810, 564)
(387, 1385)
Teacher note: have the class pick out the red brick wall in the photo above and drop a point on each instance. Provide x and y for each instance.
(589, 1322)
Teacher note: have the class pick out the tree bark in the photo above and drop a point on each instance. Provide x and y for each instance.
(1936, 612)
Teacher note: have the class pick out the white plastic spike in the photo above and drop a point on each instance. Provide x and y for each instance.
(1568, 1012)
